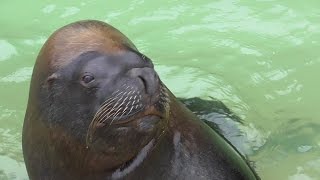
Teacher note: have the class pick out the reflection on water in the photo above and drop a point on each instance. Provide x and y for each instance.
(20, 75)
(6, 50)
(260, 58)
(11, 160)
(12, 169)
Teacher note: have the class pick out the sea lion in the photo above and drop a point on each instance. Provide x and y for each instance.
(98, 110)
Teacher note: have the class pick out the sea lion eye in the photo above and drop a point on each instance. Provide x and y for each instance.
(87, 78)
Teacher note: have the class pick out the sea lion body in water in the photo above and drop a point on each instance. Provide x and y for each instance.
(98, 110)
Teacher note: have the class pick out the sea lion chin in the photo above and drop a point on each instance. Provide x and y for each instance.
(97, 109)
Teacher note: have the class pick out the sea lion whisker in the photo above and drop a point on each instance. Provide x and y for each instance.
(103, 113)
(129, 102)
(124, 111)
(90, 131)
(130, 92)
(115, 116)
(120, 116)
(98, 112)
(123, 101)
(118, 94)
(130, 110)
(105, 117)
(111, 99)
(106, 113)
(115, 107)
(119, 107)
(109, 104)
(134, 101)
(104, 110)
(131, 107)
(116, 91)
(114, 98)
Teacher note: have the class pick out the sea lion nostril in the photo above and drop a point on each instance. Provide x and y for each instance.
(144, 83)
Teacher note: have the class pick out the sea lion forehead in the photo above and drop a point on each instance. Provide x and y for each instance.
(125, 58)
(74, 39)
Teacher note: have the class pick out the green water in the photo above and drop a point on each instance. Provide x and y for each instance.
(261, 58)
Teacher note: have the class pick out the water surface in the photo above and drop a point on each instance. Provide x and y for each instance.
(261, 58)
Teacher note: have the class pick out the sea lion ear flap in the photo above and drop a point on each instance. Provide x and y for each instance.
(50, 80)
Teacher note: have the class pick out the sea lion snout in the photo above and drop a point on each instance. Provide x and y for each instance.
(148, 77)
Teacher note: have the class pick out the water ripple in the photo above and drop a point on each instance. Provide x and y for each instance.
(7, 50)
(231, 15)
(32, 42)
(12, 170)
(301, 175)
(193, 82)
(160, 15)
(18, 76)
(250, 51)
(48, 8)
(294, 86)
(69, 11)
(278, 74)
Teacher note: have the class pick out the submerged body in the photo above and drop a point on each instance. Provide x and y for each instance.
(98, 110)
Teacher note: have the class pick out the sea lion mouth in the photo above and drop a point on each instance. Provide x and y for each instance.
(149, 112)
(126, 106)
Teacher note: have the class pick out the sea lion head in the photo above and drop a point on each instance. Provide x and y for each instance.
(103, 93)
